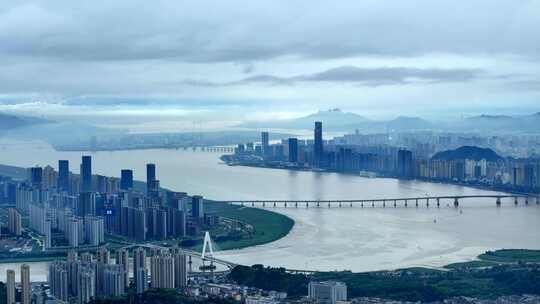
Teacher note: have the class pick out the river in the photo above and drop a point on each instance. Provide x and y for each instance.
(357, 239)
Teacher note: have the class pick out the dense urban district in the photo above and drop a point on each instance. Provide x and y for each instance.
(461, 158)
(117, 240)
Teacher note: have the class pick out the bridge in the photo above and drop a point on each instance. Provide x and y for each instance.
(219, 149)
(383, 202)
(187, 252)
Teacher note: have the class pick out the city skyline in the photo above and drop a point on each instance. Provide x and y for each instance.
(269, 152)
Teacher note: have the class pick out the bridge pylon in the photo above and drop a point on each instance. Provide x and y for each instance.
(207, 245)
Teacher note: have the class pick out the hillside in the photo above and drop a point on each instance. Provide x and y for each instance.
(9, 121)
(468, 152)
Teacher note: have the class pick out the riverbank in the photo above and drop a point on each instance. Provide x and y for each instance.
(474, 185)
(511, 272)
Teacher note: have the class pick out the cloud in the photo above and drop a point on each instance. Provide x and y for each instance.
(359, 76)
(240, 31)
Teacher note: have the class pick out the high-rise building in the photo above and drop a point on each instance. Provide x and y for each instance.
(71, 260)
(197, 203)
(318, 144)
(113, 280)
(94, 230)
(86, 174)
(86, 283)
(87, 204)
(36, 177)
(72, 231)
(126, 179)
(528, 176)
(293, 150)
(59, 280)
(63, 175)
(14, 221)
(328, 292)
(265, 144)
(140, 273)
(150, 178)
(102, 259)
(25, 284)
(122, 258)
(162, 270)
(405, 164)
(10, 286)
(180, 269)
(47, 232)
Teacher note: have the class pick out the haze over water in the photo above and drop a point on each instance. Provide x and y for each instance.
(357, 239)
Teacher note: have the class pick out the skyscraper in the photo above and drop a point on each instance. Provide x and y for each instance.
(162, 270)
(265, 144)
(86, 283)
(180, 269)
(126, 179)
(59, 280)
(197, 206)
(87, 204)
(150, 178)
(63, 175)
(405, 164)
(36, 177)
(122, 258)
(10, 286)
(14, 221)
(293, 150)
(318, 144)
(25, 284)
(86, 174)
(140, 272)
(113, 280)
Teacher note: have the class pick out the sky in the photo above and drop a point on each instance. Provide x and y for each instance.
(256, 60)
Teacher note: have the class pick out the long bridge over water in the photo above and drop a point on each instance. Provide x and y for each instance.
(384, 202)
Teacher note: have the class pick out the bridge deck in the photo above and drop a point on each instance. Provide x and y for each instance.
(444, 197)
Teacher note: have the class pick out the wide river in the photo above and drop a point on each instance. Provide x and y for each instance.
(357, 239)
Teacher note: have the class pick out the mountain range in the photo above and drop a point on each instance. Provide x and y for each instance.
(9, 122)
(337, 120)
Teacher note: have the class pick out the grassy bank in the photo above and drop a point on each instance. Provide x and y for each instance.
(267, 226)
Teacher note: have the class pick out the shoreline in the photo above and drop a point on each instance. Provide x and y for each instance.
(426, 180)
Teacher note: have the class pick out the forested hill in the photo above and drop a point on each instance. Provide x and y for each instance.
(468, 152)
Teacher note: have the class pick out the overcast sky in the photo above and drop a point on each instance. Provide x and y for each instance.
(264, 59)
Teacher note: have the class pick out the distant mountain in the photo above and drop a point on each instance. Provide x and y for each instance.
(9, 121)
(409, 123)
(333, 119)
(468, 152)
(500, 123)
